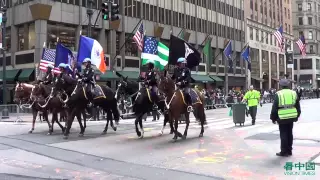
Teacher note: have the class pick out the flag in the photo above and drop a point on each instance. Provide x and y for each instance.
(246, 56)
(279, 37)
(48, 57)
(90, 48)
(228, 53)
(155, 52)
(180, 48)
(302, 45)
(138, 37)
(181, 36)
(63, 55)
(207, 50)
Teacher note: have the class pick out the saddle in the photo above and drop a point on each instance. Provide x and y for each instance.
(194, 97)
(95, 91)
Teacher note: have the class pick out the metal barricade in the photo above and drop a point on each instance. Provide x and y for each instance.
(16, 113)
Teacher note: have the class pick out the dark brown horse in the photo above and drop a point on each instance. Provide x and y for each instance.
(176, 105)
(52, 103)
(24, 97)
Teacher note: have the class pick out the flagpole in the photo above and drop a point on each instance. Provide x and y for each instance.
(113, 59)
(180, 32)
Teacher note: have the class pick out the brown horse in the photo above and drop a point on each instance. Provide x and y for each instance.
(24, 97)
(176, 105)
(52, 103)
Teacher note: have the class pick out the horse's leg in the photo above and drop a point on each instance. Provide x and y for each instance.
(138, 117)
(53, 119)
(69, 123)
(58, 122)
(115, 112)
(141, 127)
(187, 126)
(78, 115)
(34, 117)
(203, 121)
(176, 124)
(171, 124)
(84, 120)
(165, 120)
(45, 117)
(109, 118)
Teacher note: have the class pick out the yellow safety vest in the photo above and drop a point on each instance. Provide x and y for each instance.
(252, 97)
(286, 104)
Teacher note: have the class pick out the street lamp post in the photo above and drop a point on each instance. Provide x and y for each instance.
(5, 113)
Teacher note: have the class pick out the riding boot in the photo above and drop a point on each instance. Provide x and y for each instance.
(189, 102)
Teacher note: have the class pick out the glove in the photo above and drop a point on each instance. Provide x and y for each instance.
(274, 122)
(79, 80)
(179, 83)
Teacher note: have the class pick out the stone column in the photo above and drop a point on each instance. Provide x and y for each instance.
(270, 75)
(260, 66)
(278, 69)
(14, 43)
(41, 38)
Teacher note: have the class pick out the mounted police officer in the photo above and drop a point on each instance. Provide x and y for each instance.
(285, 111)
(182, 76)
(49, 76)
(88, 78)
(151, 81)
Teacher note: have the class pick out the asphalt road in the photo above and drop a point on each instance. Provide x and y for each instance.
(225, 151)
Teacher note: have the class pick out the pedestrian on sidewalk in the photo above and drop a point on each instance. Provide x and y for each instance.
(252, 97)
(285, 111)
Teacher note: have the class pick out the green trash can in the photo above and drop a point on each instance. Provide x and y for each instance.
(239, 113)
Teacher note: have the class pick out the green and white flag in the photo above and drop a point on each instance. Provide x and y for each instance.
(156, 52)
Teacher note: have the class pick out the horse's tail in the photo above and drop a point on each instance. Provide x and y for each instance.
(199, 113)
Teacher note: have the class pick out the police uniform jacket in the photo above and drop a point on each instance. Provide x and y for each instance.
(88, 75)
(183, 76)
(48, 78)
(274, 111)
(151, 79)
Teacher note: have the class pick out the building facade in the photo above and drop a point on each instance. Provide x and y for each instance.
(33, 25)
(306, 21)
(268, 61)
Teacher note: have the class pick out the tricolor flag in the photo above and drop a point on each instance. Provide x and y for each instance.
(90, 48)
(302, 45)
(279, 37)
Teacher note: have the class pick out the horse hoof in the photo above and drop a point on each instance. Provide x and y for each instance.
(139, 134)
(80, 135)
(49, 133)
(140, 137)
(200, 135)
(184, 137)
(63, 129)
(171, 132)
(104, 133)
(115, 128)
(160, 133)
(65, 137)
(30, 131)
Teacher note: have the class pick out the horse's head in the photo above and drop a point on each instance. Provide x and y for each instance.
(122, 87)
(166, 84)
(22, 92)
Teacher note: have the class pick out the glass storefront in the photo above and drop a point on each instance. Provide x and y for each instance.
(26, 37)
(66, 34)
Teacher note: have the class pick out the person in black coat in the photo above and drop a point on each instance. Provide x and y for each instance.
(285, 124)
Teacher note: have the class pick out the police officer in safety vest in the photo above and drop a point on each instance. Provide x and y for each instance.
(285, 111)
(253, 98)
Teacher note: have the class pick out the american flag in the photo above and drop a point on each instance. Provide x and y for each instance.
(48, 57)
(138, 37)
(302, 45)
(279, 37)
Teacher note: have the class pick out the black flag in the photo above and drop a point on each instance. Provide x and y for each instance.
(180, 48)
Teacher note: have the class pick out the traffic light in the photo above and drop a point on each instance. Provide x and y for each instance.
(114, 12)
(105, 11)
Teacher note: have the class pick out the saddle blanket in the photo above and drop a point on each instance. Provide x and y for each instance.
(194, 97)
(97, 92)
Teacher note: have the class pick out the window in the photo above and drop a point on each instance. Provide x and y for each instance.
(288, 13)
(310, 20)
(311, 49)
(65, 34)
(299, 7)
(257, 35)
(310, 35)
(8, 39)
(26, 37)
(309, 7)
(300, 21)
(305, 63)
(251, 34)
(285, 12)
(318, 64)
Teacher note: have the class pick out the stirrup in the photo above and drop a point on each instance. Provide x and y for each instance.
(190, 109)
